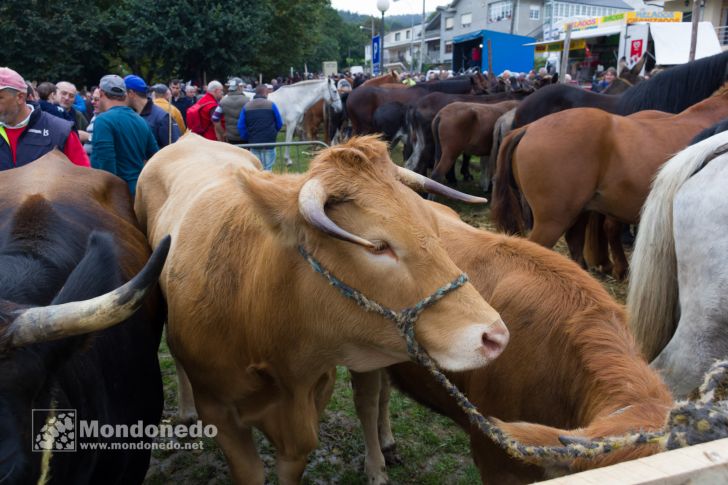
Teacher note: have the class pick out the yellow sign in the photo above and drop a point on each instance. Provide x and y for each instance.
(634, 17)
(558, 46)
(626, 17)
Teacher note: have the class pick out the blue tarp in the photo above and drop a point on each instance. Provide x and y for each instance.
(509, 51)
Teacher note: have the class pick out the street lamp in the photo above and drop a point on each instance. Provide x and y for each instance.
(382, 6)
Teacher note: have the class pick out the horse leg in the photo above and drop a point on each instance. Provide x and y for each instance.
(290, 129)
(546, 233)
(575, 237)
(367, 387)
(450, 176)
(614, 237)
(465, 168)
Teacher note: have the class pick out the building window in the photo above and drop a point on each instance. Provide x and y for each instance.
(466, 19)
(534, 12)
(499, 11)
(397, 36)
(448, 47)
(449, 23)
(407, 34)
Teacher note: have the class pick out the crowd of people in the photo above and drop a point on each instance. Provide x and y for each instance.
(122, 122)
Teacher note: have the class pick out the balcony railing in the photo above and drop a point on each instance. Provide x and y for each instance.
(722, 32)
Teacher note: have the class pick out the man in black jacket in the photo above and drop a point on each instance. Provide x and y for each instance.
(259, 122)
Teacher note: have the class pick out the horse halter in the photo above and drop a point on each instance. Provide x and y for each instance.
(689, 422)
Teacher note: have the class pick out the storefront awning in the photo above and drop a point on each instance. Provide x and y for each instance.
(672, 42)
(585, 34)
(600, 32)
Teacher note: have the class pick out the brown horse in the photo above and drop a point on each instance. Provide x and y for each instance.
(314, 117)
(586, 159)
(464, 128)
(571, 364)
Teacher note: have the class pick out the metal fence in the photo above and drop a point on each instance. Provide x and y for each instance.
(299, 156)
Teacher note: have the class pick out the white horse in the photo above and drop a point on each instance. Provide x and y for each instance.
(678, 289)
(295, 99)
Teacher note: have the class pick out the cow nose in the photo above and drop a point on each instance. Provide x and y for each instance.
(495, 338)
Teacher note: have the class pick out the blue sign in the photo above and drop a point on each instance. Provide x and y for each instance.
(376, 54)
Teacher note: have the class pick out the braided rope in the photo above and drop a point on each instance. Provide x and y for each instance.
(690, 422)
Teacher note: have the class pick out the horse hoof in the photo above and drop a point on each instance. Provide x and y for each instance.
(391, 457)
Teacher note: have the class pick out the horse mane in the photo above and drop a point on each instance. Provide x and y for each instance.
(652, 299)
(719, 127)
(677, 88)
(307, 82)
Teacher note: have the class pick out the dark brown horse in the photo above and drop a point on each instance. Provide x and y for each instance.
(421, 114)
(464, 128)
(558, 97)
(571, 362)
(586, 159)
(364, 101)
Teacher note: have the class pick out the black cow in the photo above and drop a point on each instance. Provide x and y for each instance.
(68, 234)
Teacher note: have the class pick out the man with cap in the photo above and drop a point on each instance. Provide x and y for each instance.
(259, 122)
(165, 130)
(122, 140)
(162, 97)
(26, 132)
(229, 111)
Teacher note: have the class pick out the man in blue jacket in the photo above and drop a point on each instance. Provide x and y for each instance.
(164, 129)
(259, 122)
(122, 141)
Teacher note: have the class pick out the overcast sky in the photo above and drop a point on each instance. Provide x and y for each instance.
(369, 7)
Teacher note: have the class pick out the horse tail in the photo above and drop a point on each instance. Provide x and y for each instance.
(594, 243)
(652, 298)
(506, 209)
(436, 136)
(500, 130)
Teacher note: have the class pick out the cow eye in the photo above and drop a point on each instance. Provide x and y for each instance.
(382, 248)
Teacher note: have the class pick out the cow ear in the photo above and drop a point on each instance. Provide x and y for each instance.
(274, 200)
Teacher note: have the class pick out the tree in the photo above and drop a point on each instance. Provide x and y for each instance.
(53, 41)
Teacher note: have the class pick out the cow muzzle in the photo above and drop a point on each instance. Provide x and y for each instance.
(474, 346)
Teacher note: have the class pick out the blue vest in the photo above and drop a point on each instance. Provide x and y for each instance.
(43, 133)
(260, 121)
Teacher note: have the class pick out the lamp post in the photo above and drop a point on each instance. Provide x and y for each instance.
(422, 40)
(382, 6)
(371, 39)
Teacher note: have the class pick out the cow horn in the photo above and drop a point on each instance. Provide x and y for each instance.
(421, 183)
(311, 201)
(53, 322)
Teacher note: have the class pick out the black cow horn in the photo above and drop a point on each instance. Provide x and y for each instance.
(41, 324)
(421, 183)
(311, 201)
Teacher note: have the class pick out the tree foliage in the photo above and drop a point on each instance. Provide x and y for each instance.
(80, 41)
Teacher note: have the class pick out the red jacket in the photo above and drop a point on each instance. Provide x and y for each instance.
(210, 103)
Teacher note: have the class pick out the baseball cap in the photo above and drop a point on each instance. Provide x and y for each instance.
(135, 83)
(112, 84)
(10, 79)
(234, 82)
(160, 89)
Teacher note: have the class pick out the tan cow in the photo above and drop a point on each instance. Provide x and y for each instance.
(256, 330)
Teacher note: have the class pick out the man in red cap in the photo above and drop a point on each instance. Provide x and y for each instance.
(26, 132)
